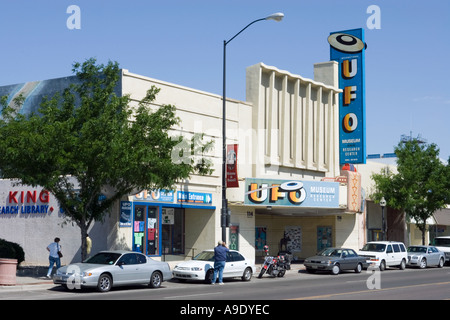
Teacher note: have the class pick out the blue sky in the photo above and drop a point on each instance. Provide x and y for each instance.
(179, 41)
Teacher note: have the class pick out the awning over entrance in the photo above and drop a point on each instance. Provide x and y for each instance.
(442, 217)
(300, 212)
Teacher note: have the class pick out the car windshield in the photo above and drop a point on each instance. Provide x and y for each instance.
(205, 256)
(330, 253)
(377, 247)
(104, 258)
(417, 249)
(442, 242)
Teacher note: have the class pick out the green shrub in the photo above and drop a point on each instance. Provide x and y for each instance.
(11, 250)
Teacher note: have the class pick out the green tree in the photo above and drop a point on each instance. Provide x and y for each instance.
(421, 185)
(87, 142)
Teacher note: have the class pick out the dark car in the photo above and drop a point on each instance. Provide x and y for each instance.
(335, 260)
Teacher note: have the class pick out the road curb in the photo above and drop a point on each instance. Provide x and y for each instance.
(27, 286)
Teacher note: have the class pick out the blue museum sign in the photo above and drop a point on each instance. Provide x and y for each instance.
(348, 49)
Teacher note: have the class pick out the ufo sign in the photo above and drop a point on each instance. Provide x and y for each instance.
(348, 48)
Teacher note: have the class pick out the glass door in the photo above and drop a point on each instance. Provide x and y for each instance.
(152, 231)
(146, 230)
(139, 229)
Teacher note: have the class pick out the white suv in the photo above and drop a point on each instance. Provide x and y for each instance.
(443, 244)
(384, 254)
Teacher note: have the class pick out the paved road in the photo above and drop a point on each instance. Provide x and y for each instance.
(409, 284)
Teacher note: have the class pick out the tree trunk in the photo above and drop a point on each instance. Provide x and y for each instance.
(84, 229)
(423, 229)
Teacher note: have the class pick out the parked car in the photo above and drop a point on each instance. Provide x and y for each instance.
(424, 256)
(443, 244)
(201, 267)
(335, 260)
(108, 269)
(384, 254)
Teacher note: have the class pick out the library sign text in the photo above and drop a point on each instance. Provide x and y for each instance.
(27, 202)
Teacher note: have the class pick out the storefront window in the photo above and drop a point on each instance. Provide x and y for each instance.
(139, 229)
(145, 230)
(324, 237)
(172, 230)
(158, 230)
(260, 237)
(233, 243)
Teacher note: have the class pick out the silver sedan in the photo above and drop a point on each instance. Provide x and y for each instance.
(113, 268)
(424, 256)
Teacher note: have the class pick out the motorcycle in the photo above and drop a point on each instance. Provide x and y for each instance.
(274, 266)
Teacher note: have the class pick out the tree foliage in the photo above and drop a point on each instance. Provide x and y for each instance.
(88, 141)
(421, 185)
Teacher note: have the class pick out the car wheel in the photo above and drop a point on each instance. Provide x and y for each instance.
(336, 269)
(155, 280)
(209, 276)
(382, 265)
(358, 268)
(104, 283)
(247, 274)
(441, 263)
(423, 263)
(402, 265)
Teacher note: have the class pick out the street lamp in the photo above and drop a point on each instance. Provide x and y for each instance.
(224, 213)
(383, 223)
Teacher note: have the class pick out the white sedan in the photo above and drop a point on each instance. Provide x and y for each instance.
(202, 267)
(113, 268)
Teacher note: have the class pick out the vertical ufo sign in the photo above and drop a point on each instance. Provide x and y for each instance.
(348, 48)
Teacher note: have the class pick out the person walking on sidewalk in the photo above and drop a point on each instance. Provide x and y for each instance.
(220, 257)
(54, 250)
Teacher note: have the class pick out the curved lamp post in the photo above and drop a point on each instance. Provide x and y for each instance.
(224, 213)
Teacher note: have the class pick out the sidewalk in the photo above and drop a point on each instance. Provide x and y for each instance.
(29, 278)
(28, 283)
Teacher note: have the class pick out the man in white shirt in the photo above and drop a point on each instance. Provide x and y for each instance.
(53, 257)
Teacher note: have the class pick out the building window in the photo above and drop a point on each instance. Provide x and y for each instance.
(172, 231)
(374, 235)
(158, 230)
(145, 230)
